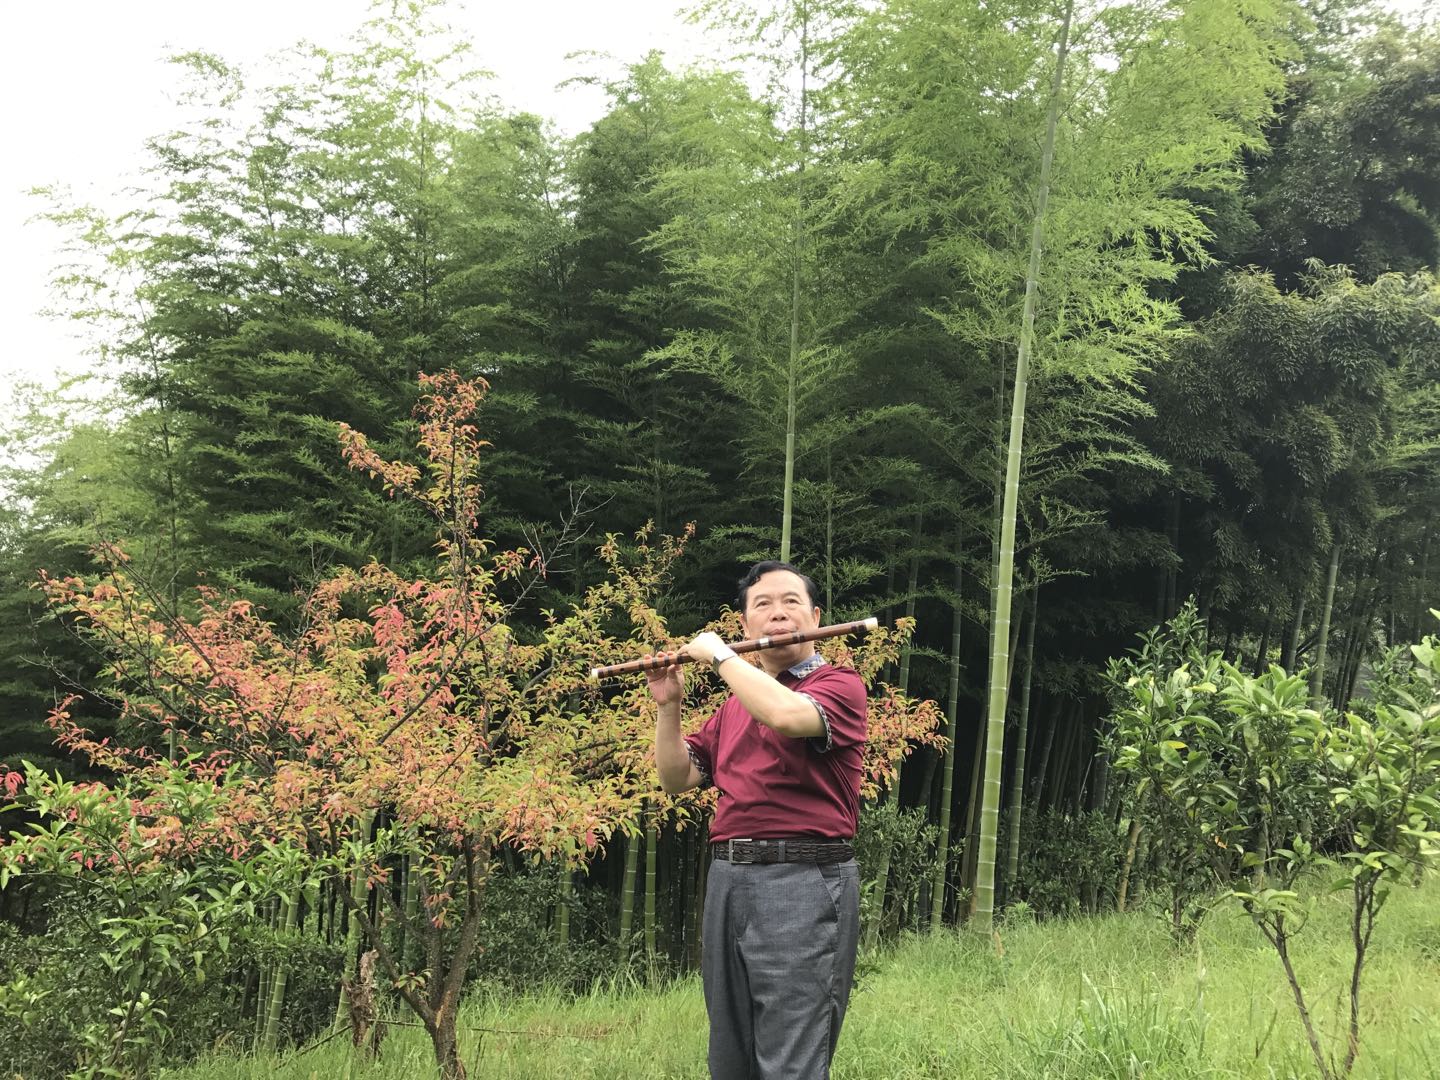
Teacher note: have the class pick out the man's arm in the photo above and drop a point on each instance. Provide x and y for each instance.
(777, 707)
(672, 757)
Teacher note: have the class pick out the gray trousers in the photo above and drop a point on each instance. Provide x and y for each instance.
(779, 960)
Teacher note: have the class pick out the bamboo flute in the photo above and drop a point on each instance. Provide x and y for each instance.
(770, 641)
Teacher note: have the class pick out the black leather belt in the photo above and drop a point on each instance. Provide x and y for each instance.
(783, 851)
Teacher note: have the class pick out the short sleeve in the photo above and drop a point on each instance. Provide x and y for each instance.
(701, 747)
(839, 695)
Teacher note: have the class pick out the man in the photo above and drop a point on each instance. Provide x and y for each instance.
(783, 897)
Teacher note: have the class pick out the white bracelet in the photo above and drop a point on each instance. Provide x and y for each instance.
(723, 653)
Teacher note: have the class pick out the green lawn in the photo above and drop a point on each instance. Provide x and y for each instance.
(1108, 997)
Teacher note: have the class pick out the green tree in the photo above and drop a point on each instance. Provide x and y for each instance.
(745, 235)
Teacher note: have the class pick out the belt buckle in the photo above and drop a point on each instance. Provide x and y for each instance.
(731, 854)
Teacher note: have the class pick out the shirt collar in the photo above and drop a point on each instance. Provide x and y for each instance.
(806, 666)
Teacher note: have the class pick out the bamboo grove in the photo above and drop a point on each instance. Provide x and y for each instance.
(1025, 326)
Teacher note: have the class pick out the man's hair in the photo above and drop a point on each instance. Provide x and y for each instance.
(768, 566)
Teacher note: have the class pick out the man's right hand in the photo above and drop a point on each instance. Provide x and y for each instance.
(667, 684)
(672, 757)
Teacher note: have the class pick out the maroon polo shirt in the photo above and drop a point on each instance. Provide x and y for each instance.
(772, 786)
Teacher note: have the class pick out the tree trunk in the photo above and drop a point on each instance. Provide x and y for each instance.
(686, 920)
(1172, 577)
(829, 532)
(412, 911)
(1292, 644)
(1422, 625)
(1042, 763)
(1059, 777)
(1017, 775)
(1366, 591)
(999, 664)
(877, 903)
(951, 759)
(445, 1041)
(698, 903)
(276, 1003)
(1081, 770)
(911, 588)
(793, 372)
(925, 797)
(652, 845)
(564, 896)
(1262, 652)
(972, 816)
(1317, 673)
(972, 798)
(359, 889)
(1100, 770)
(262, 995)
(627, 892)
(1360, 639)
(889, 618)
(1131, 844)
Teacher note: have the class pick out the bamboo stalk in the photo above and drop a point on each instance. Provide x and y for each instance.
(877, 906)
(910, 591)
(1317, 673)
(1292, 644)
(627, 892)
(698, 903)
(562, 905)
(1017, 776)
(652, 843)
(276, 1001)
(798, 251)
(412, 911)
(359, 891)
(1132, 843)
(951, 760)
(984, 893)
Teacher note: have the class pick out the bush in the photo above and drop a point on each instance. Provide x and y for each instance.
(1069, 863)
(896, 851)
(522, 949)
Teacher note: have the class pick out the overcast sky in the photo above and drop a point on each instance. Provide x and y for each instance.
(85, 83)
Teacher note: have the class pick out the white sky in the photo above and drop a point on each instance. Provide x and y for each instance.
(85, 82)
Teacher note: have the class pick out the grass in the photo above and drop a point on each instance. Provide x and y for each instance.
(1089, 999)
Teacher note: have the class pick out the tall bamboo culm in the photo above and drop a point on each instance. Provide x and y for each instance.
(1022, 734)
(276, 1003)
(793, 371)
(564, 899)
(984, 908)
(1317, 670)
(410, 947)
(912, 588)
(627, 892)
(947, 784)
(652, 846)
(359, 892)
(267, 972)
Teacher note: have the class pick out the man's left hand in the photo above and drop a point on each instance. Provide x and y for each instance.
(702, 650)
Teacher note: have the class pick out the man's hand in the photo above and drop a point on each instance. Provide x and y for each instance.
(703, 649)
(672, 758)
(667, 684)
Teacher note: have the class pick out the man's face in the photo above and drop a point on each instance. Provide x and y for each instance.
(778, 603)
